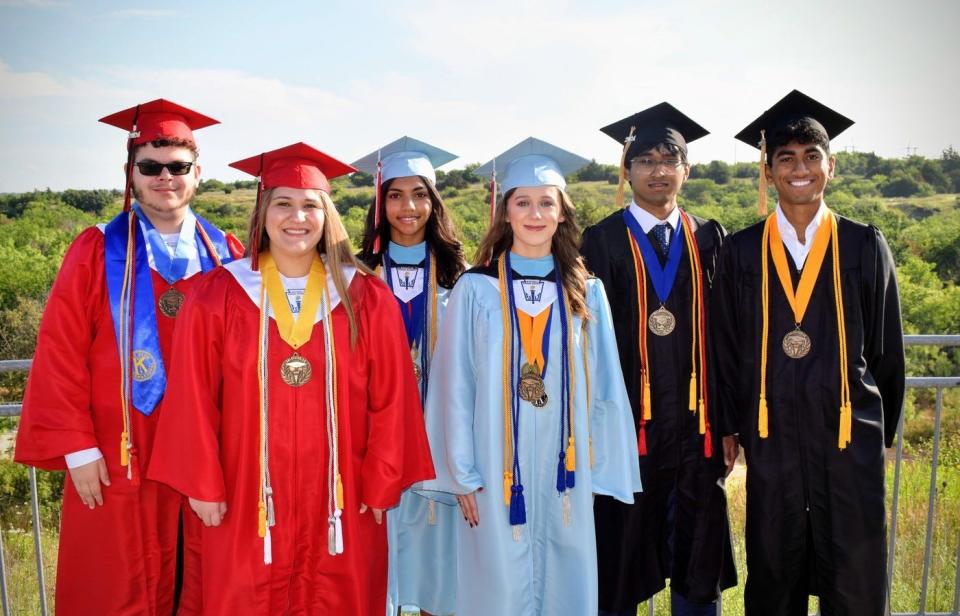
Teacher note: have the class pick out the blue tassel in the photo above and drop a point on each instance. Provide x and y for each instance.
(561, 473)
(571, 478)
(518, 510)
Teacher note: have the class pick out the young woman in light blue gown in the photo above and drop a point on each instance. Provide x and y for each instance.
(409, 240)
(527, 413)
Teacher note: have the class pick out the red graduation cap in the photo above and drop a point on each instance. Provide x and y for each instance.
(294, 166)
(159, 119)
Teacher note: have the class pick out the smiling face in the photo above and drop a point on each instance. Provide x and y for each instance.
(533, 214)
(294, 223)
(656, 177)
(408, 208)
(800, 172)
(165, 197)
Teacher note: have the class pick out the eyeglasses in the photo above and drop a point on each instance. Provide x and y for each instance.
(647, 165)
(153, 168)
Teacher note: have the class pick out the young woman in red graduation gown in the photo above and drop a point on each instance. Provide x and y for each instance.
(294, 417)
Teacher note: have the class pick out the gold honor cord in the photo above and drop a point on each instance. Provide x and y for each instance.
(799, 300)
(507, 389)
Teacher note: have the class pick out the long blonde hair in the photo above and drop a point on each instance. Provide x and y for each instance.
(335, 244)
(564, 245)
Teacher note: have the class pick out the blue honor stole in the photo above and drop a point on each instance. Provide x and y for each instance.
(414, 315)
(661, 277)
(133, 309)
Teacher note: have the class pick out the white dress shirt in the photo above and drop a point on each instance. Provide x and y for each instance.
(788, 234)
(648, 221)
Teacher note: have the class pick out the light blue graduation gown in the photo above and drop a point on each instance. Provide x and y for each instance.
(552, 569)
(422, 556)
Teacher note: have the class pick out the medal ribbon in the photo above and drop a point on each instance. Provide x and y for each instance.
(800, 298)
(295, 331)
(536, 346)
(417, 313)
(414, 311)
(662, 277)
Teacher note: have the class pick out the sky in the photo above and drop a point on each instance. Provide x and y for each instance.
(472, 78)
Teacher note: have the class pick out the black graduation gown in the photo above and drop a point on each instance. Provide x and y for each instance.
(677, 528)
(815, 514)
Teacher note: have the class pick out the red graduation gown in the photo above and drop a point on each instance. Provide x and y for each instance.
(207, 448)
(119, 558)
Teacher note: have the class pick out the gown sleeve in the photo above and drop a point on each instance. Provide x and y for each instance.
(186, 450)
(397, 453)
(56, 417)
(723, 345)
(452, 395)
(616, 467)
(883, 338)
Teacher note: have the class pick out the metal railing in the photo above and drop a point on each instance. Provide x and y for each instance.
(937, 383)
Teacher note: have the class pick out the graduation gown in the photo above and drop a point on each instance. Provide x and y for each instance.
(552, 569)
(677, 528)
(119, 558)
(208, 448)
(421, 535)
(815, 513)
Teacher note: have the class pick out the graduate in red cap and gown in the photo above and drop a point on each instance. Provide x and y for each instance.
(295, 418)
(99, 372)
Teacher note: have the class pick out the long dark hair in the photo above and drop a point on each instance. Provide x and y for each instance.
(440, 236)
(564, 245)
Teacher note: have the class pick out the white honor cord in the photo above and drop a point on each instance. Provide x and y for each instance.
(265, 427)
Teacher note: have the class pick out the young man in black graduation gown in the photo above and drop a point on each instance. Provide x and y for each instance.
(813, 401)
(677, 528)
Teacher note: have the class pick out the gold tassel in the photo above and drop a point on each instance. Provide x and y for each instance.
(507, 484)
(846, 425)
(647, 414)
(703, 418)
(571, 455)
(262, 520)
(623, 167)
(762, 421)
(693, 392)
(339, 492)
(124, 449)
(591, 453)
(762, 203)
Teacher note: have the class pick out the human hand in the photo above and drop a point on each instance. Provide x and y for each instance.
(468, 505)
(731, 449)
(377, 513)
(210, 513)
(87, 479)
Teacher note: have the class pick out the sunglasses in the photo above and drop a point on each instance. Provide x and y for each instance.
(153, 168)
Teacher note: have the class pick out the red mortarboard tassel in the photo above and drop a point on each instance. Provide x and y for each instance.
(376, 207)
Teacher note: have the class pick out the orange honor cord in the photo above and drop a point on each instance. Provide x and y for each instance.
(640, 276)
(126, 307)
(799, 300)
(571, 452)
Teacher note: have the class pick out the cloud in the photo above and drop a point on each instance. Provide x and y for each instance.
(34, 4)
(27, 85)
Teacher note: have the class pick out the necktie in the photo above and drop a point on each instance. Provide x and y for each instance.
(662, 233)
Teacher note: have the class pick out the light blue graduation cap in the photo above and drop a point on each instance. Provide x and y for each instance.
(532, 162)
(405, 157)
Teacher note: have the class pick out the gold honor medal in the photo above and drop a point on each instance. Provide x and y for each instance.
(531, 386)
(662, 322)
(170, 302)
(796, 344)
(296, 370)
(415, 356)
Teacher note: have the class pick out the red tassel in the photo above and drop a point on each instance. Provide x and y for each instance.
(255, 244)
(376, 211)
(707, 444)
(130, 138)
(493, 195)
(134, 468)
(642, 439)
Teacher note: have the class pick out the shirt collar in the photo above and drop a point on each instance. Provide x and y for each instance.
(648, 221)
(787, 231)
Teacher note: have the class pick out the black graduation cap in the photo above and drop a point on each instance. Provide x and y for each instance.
(661, 123)
(792, 107)
(645, 129)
